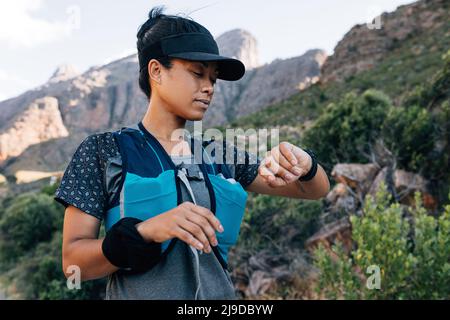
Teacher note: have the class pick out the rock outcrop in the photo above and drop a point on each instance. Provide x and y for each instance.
(362, 47)
(355, 182)
(40, 122)
(262, 86)
(63, 73)
(241, 45)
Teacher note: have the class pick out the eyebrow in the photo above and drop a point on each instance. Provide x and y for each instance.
(205, 64)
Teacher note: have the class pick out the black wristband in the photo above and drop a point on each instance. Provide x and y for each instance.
(125, 248)
(312, 172)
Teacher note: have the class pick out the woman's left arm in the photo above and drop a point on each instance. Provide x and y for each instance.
(280, 170)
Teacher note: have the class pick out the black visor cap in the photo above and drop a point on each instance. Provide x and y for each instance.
(193, 47)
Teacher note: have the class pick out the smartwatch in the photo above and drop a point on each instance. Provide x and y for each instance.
(312, 172)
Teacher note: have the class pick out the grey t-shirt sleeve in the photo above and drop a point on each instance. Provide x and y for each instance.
(244, 166)
(82, 183)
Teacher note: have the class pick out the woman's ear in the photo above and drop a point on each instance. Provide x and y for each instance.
(154, 71)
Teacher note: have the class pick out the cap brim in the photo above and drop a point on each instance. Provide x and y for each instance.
(229, 69)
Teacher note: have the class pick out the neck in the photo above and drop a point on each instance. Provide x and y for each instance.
(160, 122)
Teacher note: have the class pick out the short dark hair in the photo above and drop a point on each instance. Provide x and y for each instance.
(157, 26)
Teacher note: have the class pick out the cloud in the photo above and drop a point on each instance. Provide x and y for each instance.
(20, 28)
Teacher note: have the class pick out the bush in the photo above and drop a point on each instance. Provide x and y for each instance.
(412, 253)
(432, 92)
(38, 275)
(348, 127)
(282, 220)
(30, 249)
(347, 131)
(411, 134)
(29, 219)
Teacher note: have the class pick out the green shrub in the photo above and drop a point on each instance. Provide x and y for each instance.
(430, 93)
(50, 189)
(31, 247)
(412, 252)
(348, 127)
(29, 219)
(38, 275)
(411, 134)
(270, 218)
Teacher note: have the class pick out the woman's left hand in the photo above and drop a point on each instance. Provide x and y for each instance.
(284, 164)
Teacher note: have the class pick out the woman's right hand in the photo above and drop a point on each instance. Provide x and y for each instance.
(191, 223)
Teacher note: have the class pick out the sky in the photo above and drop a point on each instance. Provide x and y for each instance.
(36, 36)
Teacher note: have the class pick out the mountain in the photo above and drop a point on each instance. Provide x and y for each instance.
(40, 121)
(63, 72)
(408, 60)
(262, 86)
(412, 75)
(240, 44)
(362, 48)
(51, 120)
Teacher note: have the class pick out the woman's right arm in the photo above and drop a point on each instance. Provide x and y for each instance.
(81, 246)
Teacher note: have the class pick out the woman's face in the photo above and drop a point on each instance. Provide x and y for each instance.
(183, 87)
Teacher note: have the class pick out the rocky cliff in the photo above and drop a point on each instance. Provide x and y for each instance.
(262, 86)
(363, 47)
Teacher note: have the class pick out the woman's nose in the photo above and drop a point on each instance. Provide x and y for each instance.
(209, 89)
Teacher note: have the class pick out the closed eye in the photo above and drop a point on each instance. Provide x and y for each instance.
(200, 75)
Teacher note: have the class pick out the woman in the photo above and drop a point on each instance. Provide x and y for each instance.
(171, 210)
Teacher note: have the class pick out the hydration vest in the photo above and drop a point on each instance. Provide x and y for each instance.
(150, 186)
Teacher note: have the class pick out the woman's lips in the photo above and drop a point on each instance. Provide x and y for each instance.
(202, 103)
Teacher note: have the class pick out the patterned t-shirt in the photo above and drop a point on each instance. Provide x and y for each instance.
(93, 175)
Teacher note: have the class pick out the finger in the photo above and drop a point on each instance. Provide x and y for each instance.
(265, 172)
(304, 158)
(187, 237)
(287, 150)
(271, 163)
(262, 169)
(205, 225)
(282, 172)
(187, 205)
(270, 178)
(285, 162)
(197, 232)
(204, 212)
